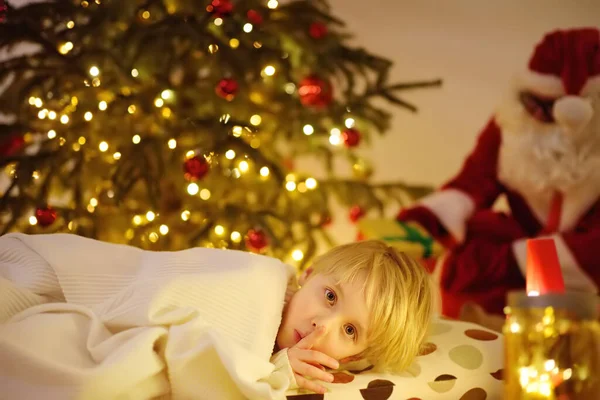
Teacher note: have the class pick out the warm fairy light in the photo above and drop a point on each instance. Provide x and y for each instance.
(311, 183)
(237, 131)
(102, 106)
(185, 215)
(103, 146)
(164, 229)
(218, 21)
(71, 225)
(349, 122)
(308, 130)
(264, 171)
(88, 116)
(255, 120)
(255, 143)
(247, 28)
(71, 24)
(244, 166)
(269, 70)
(172, 144)
(193, 189)
(225, 118)
(153, 237)
(213, 48)
(51, 134)
(166, 94)
(150, 216)
(136, 139)
(65, 48)
(159, 102)
(257, 45)
(146, 14)
(74, 101)
(117, 156)
(301, 187)
(35, 175)
(289, 88)
(166, 112)
(81, 140)
(230, 154)
(290, 186)
(84, 4)
(131, 109)
(219, 230)
(95, 82)
(90, 208)
(64, 119)
(137, 220)
(62, 141)
(190, 154)
(32, 100)
(236, 237)
(52, 115)
(336, 137)
(43, 114)
(234, 43)
(205, 194)
(94, 202)
(533, 293)
(38, 103)
(135, 73)
(94, 71)
(290, 177)
(236, 173)
(76, 147)
(32, 220)
(129, 234)
(272, 4)
(297, 255)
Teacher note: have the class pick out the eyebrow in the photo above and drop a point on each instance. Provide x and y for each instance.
(341, 294)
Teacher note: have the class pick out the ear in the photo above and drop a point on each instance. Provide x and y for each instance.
(304, 277)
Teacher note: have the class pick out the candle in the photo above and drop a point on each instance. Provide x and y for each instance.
(543, 268)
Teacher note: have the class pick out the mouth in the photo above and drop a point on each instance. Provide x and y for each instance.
(297, 336)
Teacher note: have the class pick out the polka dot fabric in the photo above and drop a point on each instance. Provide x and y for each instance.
(461, 361)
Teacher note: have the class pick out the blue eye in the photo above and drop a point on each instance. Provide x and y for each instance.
(330, 295)
(350, 330)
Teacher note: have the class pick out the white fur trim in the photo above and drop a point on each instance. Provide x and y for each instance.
(573, 275)
(542, 84)
(453, 207)
(591, 86)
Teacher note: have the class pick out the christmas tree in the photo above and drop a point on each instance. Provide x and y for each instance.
(167, 124)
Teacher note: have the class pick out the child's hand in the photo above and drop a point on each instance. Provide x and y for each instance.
(309, 363)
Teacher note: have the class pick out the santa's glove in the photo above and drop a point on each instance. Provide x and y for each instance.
(428, 220)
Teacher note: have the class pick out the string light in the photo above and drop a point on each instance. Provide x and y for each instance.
(218, 21)
(35, 175)
(205, 194)
(137, 220)
(236, 237)
(150, 216)
(103, 146)
(117, 156)
(230, 154)
(94, 71)
(247, 28)
(129, 234)
(349, 122)
(213, 48)
(65, 48)
(255, 120)
(193, 189)
(81, 140)
(269, 70)
(64, 119)
(94, 202)
(159, 102)
(71, 24)
(237, 131)
(290, 186)
(308, 130)
(257, 45)
(272, 4)
(164, 229)
(32, 220)
(244, 166)
(297, 255)
(102, 105)
(172, 143)
(131, 109)
(302, 187)
(88, 116)
(264, 171)
(51, 134)
(234, 43)
(219, 230)
(166, 112)
(31, 100)
(136, 139)
(153, 236)
(146, 14)
(43, 114)
(311, 183)
(190, 154)
(52, 115)
(166, 94)
(135, 73)
(336, 137)
(185, 215)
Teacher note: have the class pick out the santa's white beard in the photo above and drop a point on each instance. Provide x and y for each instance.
(543, 158)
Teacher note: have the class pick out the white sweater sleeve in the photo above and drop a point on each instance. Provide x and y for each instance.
(282, 366)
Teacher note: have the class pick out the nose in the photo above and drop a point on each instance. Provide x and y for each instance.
(572, 113)
(326, 321)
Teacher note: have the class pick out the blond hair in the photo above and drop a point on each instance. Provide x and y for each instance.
(399, 293)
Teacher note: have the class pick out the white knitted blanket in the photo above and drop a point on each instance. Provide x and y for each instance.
(82, 319)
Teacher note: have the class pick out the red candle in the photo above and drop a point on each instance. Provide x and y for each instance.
(543, 268)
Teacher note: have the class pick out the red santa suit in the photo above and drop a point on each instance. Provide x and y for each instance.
(541, 150)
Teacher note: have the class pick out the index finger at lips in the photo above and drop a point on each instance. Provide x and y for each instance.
(309, 340)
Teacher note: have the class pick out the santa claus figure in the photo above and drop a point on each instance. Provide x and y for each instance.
(541, 150)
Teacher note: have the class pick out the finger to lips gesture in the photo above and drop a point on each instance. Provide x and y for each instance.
(307, 363)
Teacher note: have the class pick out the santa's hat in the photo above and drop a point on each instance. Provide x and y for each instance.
(565, 62)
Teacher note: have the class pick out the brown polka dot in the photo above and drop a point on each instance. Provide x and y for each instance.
(474, 394)
(445, 377)
(427, 348)
(466, 356)
(310, 396)
(443, 383)
(340, 377)
(498, 374)
(479, 334)
(439, 328)
(356, 371)
(414, 398)
(378, 389)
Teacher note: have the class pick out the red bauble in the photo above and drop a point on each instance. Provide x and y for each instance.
(195, 168)
(3, 8)
(227, 88)
(351, 137)
(11, 145)
(45, 216)
(220, 8)
(315, 92)
(256, 240)
(360, 236)
(356, 213)
(254, 17)
(317, 30)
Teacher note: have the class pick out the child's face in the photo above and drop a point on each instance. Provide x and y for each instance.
(340, 308)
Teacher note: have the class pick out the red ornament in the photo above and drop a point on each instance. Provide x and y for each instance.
(195, 168)
(11, 145)
(356, 213)
(254, 17)
(45, 216)
(360, 237)
(3, 10)
(220, 8)
(315, 92)
(227, 88)
(351, 137)
(256, 240)
(317, 30)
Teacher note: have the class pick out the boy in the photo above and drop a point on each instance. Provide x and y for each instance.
(362, 300)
